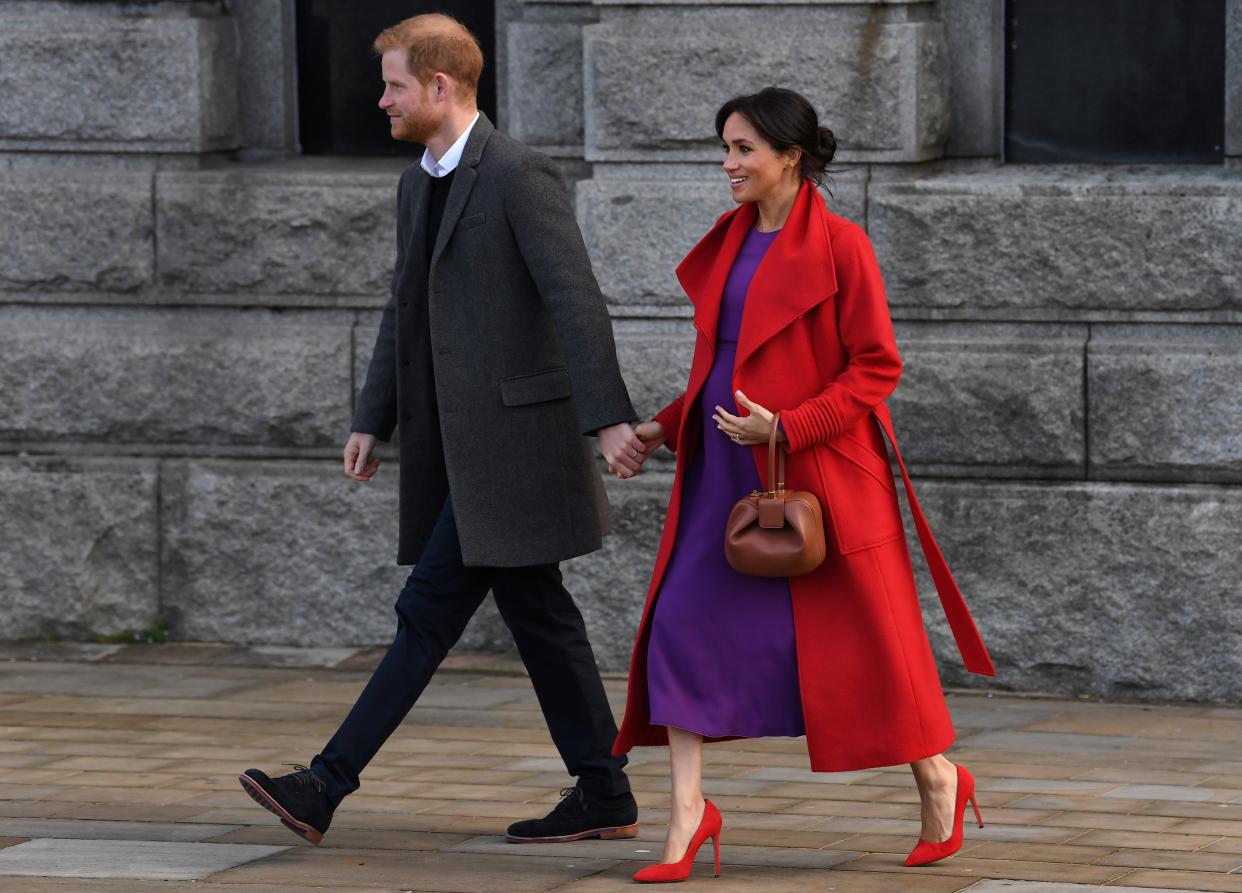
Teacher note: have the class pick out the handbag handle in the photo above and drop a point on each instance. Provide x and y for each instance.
(780, 482)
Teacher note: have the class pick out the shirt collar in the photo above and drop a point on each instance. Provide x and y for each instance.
(452, 157)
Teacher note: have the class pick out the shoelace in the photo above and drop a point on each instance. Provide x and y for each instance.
(303, 777)
(569, 797)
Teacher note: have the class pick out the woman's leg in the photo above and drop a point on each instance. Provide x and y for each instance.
(936, 778)
(685, 757)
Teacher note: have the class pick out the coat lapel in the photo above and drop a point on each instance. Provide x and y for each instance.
(703, 271)
(794, 276)
(463, 181)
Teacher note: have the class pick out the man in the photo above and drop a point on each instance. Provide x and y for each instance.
(494, 356)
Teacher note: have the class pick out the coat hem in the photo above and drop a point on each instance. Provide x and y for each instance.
(834, 764)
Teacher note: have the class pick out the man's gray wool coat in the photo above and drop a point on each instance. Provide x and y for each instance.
(523, 357)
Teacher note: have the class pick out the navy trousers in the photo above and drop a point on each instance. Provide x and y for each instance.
(438, 600)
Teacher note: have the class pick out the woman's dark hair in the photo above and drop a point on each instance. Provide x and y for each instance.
(785, 119)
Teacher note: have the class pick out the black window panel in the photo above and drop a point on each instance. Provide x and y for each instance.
(339, 82)
(1115, 81)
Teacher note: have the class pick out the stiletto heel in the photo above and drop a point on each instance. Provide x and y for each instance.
(667, 872)
(926, 852)
(978, 815)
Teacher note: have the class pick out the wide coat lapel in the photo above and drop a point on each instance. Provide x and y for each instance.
(463, 182)
(702, 272)
(796, 274)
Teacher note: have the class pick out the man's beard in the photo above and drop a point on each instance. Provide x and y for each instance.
(415, 127)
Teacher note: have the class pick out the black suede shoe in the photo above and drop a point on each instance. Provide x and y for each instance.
(578, 816)
(297, 799)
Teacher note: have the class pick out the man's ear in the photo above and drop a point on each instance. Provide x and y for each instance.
(444, 87)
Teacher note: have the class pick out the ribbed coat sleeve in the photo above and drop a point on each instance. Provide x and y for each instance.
(866, 332)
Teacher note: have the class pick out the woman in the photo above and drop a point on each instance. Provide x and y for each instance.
(791, 316)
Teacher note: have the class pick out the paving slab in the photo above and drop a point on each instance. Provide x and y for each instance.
(139, 859)
(644, 852)
(432, 872)
(750, 879)
(141, 746)
(1184, 880)
(169, 832)
(129, 885)
(1196, 861)
(1044, 887)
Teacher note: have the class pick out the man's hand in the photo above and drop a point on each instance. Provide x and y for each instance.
(359, 463)
(622, 449)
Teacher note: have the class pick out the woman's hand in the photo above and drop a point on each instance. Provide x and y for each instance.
(652, 435)
(748, 430)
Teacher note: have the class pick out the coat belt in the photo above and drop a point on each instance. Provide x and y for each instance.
(965, 633)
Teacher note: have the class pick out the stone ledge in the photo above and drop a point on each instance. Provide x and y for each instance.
(80, 547)
(714, 3)
(1064, 237)
(117, 82)
(278, 231)
(76, 232)
(243, 379)
(991, 394)
(278, 553)
(1115, 590)
(1164, 400)
(881, 85)
(545, 59)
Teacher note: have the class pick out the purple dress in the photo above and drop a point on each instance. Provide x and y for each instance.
(721, 660)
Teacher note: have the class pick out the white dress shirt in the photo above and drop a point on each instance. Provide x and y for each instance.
(452, 157)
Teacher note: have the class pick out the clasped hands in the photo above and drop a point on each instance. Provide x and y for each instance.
(626, 448)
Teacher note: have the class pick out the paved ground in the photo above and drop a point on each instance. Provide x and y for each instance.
(119, 772)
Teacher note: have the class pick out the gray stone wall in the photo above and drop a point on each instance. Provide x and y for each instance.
(187, 309)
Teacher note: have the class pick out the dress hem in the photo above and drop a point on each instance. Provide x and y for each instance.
(710, 737)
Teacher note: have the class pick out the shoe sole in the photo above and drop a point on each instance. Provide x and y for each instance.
(260, 796)
(620, 832)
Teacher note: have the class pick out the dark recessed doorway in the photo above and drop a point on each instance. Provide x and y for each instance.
(339, 80)
(1115, 81)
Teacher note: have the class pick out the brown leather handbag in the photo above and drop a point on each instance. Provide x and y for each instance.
(779, 533)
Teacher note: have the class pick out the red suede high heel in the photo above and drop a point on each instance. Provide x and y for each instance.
(926, 852)
(667, 872)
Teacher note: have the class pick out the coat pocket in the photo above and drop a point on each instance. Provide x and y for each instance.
(863, 506)
(470, 221)
(865, 458)
(536, 387)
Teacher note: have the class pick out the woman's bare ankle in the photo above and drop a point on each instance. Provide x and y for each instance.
(687, 810)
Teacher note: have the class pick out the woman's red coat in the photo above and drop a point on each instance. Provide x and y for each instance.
(816, 342)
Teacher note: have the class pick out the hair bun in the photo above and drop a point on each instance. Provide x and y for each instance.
(827, 145)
